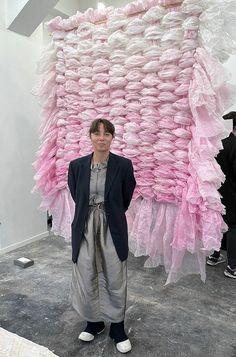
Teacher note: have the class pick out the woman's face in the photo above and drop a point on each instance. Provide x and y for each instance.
(101, 139)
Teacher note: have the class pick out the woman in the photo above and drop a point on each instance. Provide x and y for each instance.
(102, 185)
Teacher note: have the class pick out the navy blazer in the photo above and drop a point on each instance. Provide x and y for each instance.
(119, 188)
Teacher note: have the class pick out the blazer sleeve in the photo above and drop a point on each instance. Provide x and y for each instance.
(71, 181)
(234, 161)
(129, 184)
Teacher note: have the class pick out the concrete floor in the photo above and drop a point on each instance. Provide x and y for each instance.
(187, 319)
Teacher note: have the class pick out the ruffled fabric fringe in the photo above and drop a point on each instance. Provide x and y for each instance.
(181, 236)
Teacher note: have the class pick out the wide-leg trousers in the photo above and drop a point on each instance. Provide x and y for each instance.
(99, 278)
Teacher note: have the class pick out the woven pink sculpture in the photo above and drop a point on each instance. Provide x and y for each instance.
(157, 76)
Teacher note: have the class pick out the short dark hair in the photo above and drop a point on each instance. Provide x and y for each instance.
(234, 124)
(109, 127)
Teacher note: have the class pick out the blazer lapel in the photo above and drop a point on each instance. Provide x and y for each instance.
(112, 170)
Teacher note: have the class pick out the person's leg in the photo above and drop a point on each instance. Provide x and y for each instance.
(84, 286)
(231, 252)
(113, 278)
(224, 242)
(113, 290)
(95, 327)
(92, 329)
(215, 258)
(231, 246)
(117, 331)
(216, 254)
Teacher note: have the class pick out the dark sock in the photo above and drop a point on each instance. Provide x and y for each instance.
(117, 332)
(94, 327)
(216, 254)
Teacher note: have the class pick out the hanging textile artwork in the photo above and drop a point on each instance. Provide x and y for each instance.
(152, 68)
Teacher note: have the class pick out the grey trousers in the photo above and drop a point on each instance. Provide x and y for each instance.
(99, 278)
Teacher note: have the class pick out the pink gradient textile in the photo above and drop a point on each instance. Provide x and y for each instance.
(158, 79)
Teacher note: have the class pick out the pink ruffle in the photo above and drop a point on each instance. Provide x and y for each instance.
(130, 9)
(92, 15)
(201, 205)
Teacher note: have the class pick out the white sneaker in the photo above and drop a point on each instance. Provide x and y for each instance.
(124, 346)
(86, 336)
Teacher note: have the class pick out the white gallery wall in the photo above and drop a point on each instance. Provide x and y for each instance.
(19, 123)
(20, 219)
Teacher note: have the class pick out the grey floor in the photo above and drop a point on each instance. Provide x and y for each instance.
(187, 319)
